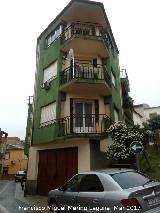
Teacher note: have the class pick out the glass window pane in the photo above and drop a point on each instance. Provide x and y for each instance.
(73, 184)
(78, 114)
(91, 183)
(88, 115)
(129, 179)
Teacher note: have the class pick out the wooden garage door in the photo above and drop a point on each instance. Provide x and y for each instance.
(55, 168)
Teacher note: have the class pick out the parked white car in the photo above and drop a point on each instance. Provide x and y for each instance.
(110, 190)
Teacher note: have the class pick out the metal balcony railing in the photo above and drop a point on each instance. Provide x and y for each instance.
(87, 30)
(84, 124)
(82, 29)
(85, 71)
(124, 79)
(123, 73)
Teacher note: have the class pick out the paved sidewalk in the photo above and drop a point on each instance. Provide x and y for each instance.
(35, 201)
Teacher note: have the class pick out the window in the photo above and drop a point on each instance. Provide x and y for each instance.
(83, 114)
(7, 156)
(73, 184)
(113, 78)
(48, 114)
(50, 72)
(91, 183)
(129, 179)
(53, 35)
(83, 117)
(116, 116)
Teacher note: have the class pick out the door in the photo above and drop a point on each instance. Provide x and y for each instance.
(83, 117)
(68, 197)
(91, 193)
(55, 167)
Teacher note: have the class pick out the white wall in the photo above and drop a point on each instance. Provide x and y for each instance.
(138, 120)
(151, 110)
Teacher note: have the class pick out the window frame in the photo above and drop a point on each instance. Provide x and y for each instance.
(54, 76)
(115, 110)
(7, 154)
(48, 122)
(53, 36)
(113, 78)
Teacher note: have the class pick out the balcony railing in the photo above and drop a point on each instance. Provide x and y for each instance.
(85, 30)
(83, 71)
(123, 73)
(84, 124)
(82, 29)
(124, 79)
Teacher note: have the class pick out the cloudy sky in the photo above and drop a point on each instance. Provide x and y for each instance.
(135, 25)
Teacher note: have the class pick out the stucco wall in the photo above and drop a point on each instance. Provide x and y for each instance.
(17, 161)
(83, 155)
(152, 110)
(138, 120)
(66, 104)
(98, 158)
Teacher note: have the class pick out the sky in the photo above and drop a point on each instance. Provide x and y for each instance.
(135, 26)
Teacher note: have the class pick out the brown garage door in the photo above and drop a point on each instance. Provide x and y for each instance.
(55, 168)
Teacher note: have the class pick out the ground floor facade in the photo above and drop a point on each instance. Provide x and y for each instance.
(52, 164)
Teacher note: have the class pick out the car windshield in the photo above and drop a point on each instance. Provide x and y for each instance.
(130, 179)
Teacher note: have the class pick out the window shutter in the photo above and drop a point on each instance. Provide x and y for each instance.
(71, 115)
(50, 72)
(116, 115)
(96, 111)
(48, 114)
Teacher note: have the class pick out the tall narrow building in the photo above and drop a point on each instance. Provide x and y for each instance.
(77, 95)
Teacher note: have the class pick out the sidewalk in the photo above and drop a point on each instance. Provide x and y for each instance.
(34, 201)
(6, 177)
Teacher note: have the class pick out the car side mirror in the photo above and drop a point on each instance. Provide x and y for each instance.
(62, 188)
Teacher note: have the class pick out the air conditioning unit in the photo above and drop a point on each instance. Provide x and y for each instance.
(47, 85)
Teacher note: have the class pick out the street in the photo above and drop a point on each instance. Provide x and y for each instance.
(8, 202)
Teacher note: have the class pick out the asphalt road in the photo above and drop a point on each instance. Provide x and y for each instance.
(8, 202)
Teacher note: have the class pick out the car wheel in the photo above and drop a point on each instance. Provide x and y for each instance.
(53, 206)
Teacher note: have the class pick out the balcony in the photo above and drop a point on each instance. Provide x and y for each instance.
(84, 124)
(85, 77)
(124, 81)
(86, 39)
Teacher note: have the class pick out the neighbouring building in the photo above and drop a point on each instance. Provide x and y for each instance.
(127, 101)
(143, 112)
(137, 118)
(14, 158)
(77, 95)
(3, 140)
